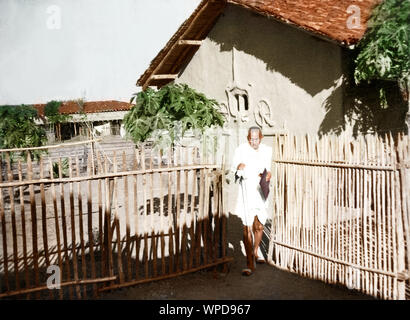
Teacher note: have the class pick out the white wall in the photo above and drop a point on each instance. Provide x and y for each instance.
(294, 72)
(96, 52)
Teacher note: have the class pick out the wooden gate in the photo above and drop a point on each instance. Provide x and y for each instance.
(106, 222)
(342, 212)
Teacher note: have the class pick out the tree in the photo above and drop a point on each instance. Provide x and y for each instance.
(165, 115)
(19, 130)
(384, 51)
(54, 117)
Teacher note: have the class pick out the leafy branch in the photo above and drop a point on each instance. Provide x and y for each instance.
(165, 115)
(384, 52)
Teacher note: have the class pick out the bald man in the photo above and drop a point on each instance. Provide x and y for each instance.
(249, 162)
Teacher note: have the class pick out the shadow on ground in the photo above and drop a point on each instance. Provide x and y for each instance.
(265, 284)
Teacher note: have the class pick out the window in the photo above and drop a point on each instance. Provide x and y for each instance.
(242, 102)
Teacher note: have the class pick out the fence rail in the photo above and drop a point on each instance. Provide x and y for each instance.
(342, 211)
(113, 222)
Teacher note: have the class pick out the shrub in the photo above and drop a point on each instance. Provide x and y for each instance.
(172, 110)
(19, 130)
(64, 168)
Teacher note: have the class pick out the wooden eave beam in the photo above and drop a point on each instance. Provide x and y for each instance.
(189, 27)
(163, 76)
(190, 42)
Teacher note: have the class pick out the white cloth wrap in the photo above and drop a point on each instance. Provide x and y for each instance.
(255, 162)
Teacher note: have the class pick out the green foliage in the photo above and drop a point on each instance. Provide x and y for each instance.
(168, 113)
(51, 108)
(384, 52)
(19, 130)
(64, 168)
(369, 107)
(51, 111)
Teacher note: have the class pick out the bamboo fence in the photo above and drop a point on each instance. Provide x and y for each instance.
(342, 211)
(111, 223)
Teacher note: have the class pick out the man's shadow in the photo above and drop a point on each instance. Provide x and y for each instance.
(235, 242)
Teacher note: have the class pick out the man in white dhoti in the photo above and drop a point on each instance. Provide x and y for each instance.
(250, 160)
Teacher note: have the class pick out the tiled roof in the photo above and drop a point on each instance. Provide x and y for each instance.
(325, 18)
(72, 107)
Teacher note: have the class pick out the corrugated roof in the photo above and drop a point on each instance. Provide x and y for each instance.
(326, 18)
(72, 107)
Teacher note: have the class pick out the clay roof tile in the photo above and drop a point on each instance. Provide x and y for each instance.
(72, 107)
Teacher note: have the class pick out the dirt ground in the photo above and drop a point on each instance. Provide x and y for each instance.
(267, 283)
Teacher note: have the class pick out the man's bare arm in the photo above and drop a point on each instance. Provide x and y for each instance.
(268, 176)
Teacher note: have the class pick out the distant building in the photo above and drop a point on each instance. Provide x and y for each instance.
(99, 117)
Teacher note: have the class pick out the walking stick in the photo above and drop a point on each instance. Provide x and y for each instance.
(248, 246)
(244, 199)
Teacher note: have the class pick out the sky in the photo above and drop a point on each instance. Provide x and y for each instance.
(157, 29)
(90, 49)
